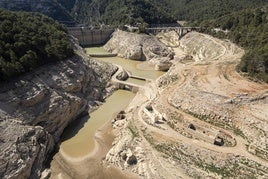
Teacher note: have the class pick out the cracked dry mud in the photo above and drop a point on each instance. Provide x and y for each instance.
(201, 119)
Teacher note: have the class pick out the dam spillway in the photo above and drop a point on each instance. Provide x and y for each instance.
(89, 37)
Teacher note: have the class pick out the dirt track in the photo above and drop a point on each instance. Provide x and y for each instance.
(208, 93)
(205, 91)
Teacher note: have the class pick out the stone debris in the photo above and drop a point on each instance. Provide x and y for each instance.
(140, 47)
(36, 107)
(200, 120)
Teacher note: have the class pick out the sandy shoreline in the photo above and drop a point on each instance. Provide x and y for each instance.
(103, 138)
(91, 165)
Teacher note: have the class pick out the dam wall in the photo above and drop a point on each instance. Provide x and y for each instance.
(88, 37)
(126, 86)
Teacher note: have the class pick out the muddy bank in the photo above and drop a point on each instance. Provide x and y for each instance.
(91, 165)
(35, 109)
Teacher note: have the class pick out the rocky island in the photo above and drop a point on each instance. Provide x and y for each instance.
(140, 47)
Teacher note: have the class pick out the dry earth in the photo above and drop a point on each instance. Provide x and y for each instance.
(36, 107)
(202, 119)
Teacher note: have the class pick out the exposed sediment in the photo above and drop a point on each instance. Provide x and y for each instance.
(200, 119)
(140, 47)
(35, 109)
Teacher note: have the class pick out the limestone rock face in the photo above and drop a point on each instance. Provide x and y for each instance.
(35, 109)
(138, 47)
(170, 38)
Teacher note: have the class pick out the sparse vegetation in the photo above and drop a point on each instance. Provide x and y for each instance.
(237, 131)
(133, 129)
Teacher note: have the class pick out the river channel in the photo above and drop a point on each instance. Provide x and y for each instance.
(78, 139)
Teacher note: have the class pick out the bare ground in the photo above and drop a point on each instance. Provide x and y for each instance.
(91, 166)
(172, 125)
(201, 119)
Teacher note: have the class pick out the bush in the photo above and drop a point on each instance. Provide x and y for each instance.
(248, 28)
(28, 40)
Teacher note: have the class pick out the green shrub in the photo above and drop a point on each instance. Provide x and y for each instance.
(28, 40)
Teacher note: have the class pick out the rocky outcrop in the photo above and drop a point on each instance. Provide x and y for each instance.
(138, 47)
(123, 75)
(35, 109)
(162, 65)
(213, 118)
(170, 38)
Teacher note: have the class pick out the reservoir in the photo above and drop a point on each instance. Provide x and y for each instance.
(132, 67)
(78, 139)
(137, 68)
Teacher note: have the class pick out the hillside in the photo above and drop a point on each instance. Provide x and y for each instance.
(196, 11)
(120, 12)
(201, 119)
(131, 11)
(96, 12)
(248, 28)
(29, 40)
(51, 8)
(236, 16)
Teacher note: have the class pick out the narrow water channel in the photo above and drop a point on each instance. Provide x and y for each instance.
(131, 66)
(78, 139)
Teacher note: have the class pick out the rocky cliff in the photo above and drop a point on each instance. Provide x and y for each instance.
(140, 47)
(35, 109)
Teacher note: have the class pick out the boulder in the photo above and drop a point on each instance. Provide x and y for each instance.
(138, 46)
(163, 65)
(36, 107)
(132, 160)
(123, 76)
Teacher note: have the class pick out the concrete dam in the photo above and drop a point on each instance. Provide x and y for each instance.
(90, 37)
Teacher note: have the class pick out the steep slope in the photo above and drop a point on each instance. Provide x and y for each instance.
(96, 12)
(50, 8)
(120, 12)
(35, 109)
(140, 47)
(199, 120)
(196, 11)
(36, 106)
(254, 25)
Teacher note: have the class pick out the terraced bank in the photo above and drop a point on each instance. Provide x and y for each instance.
(201, 119)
